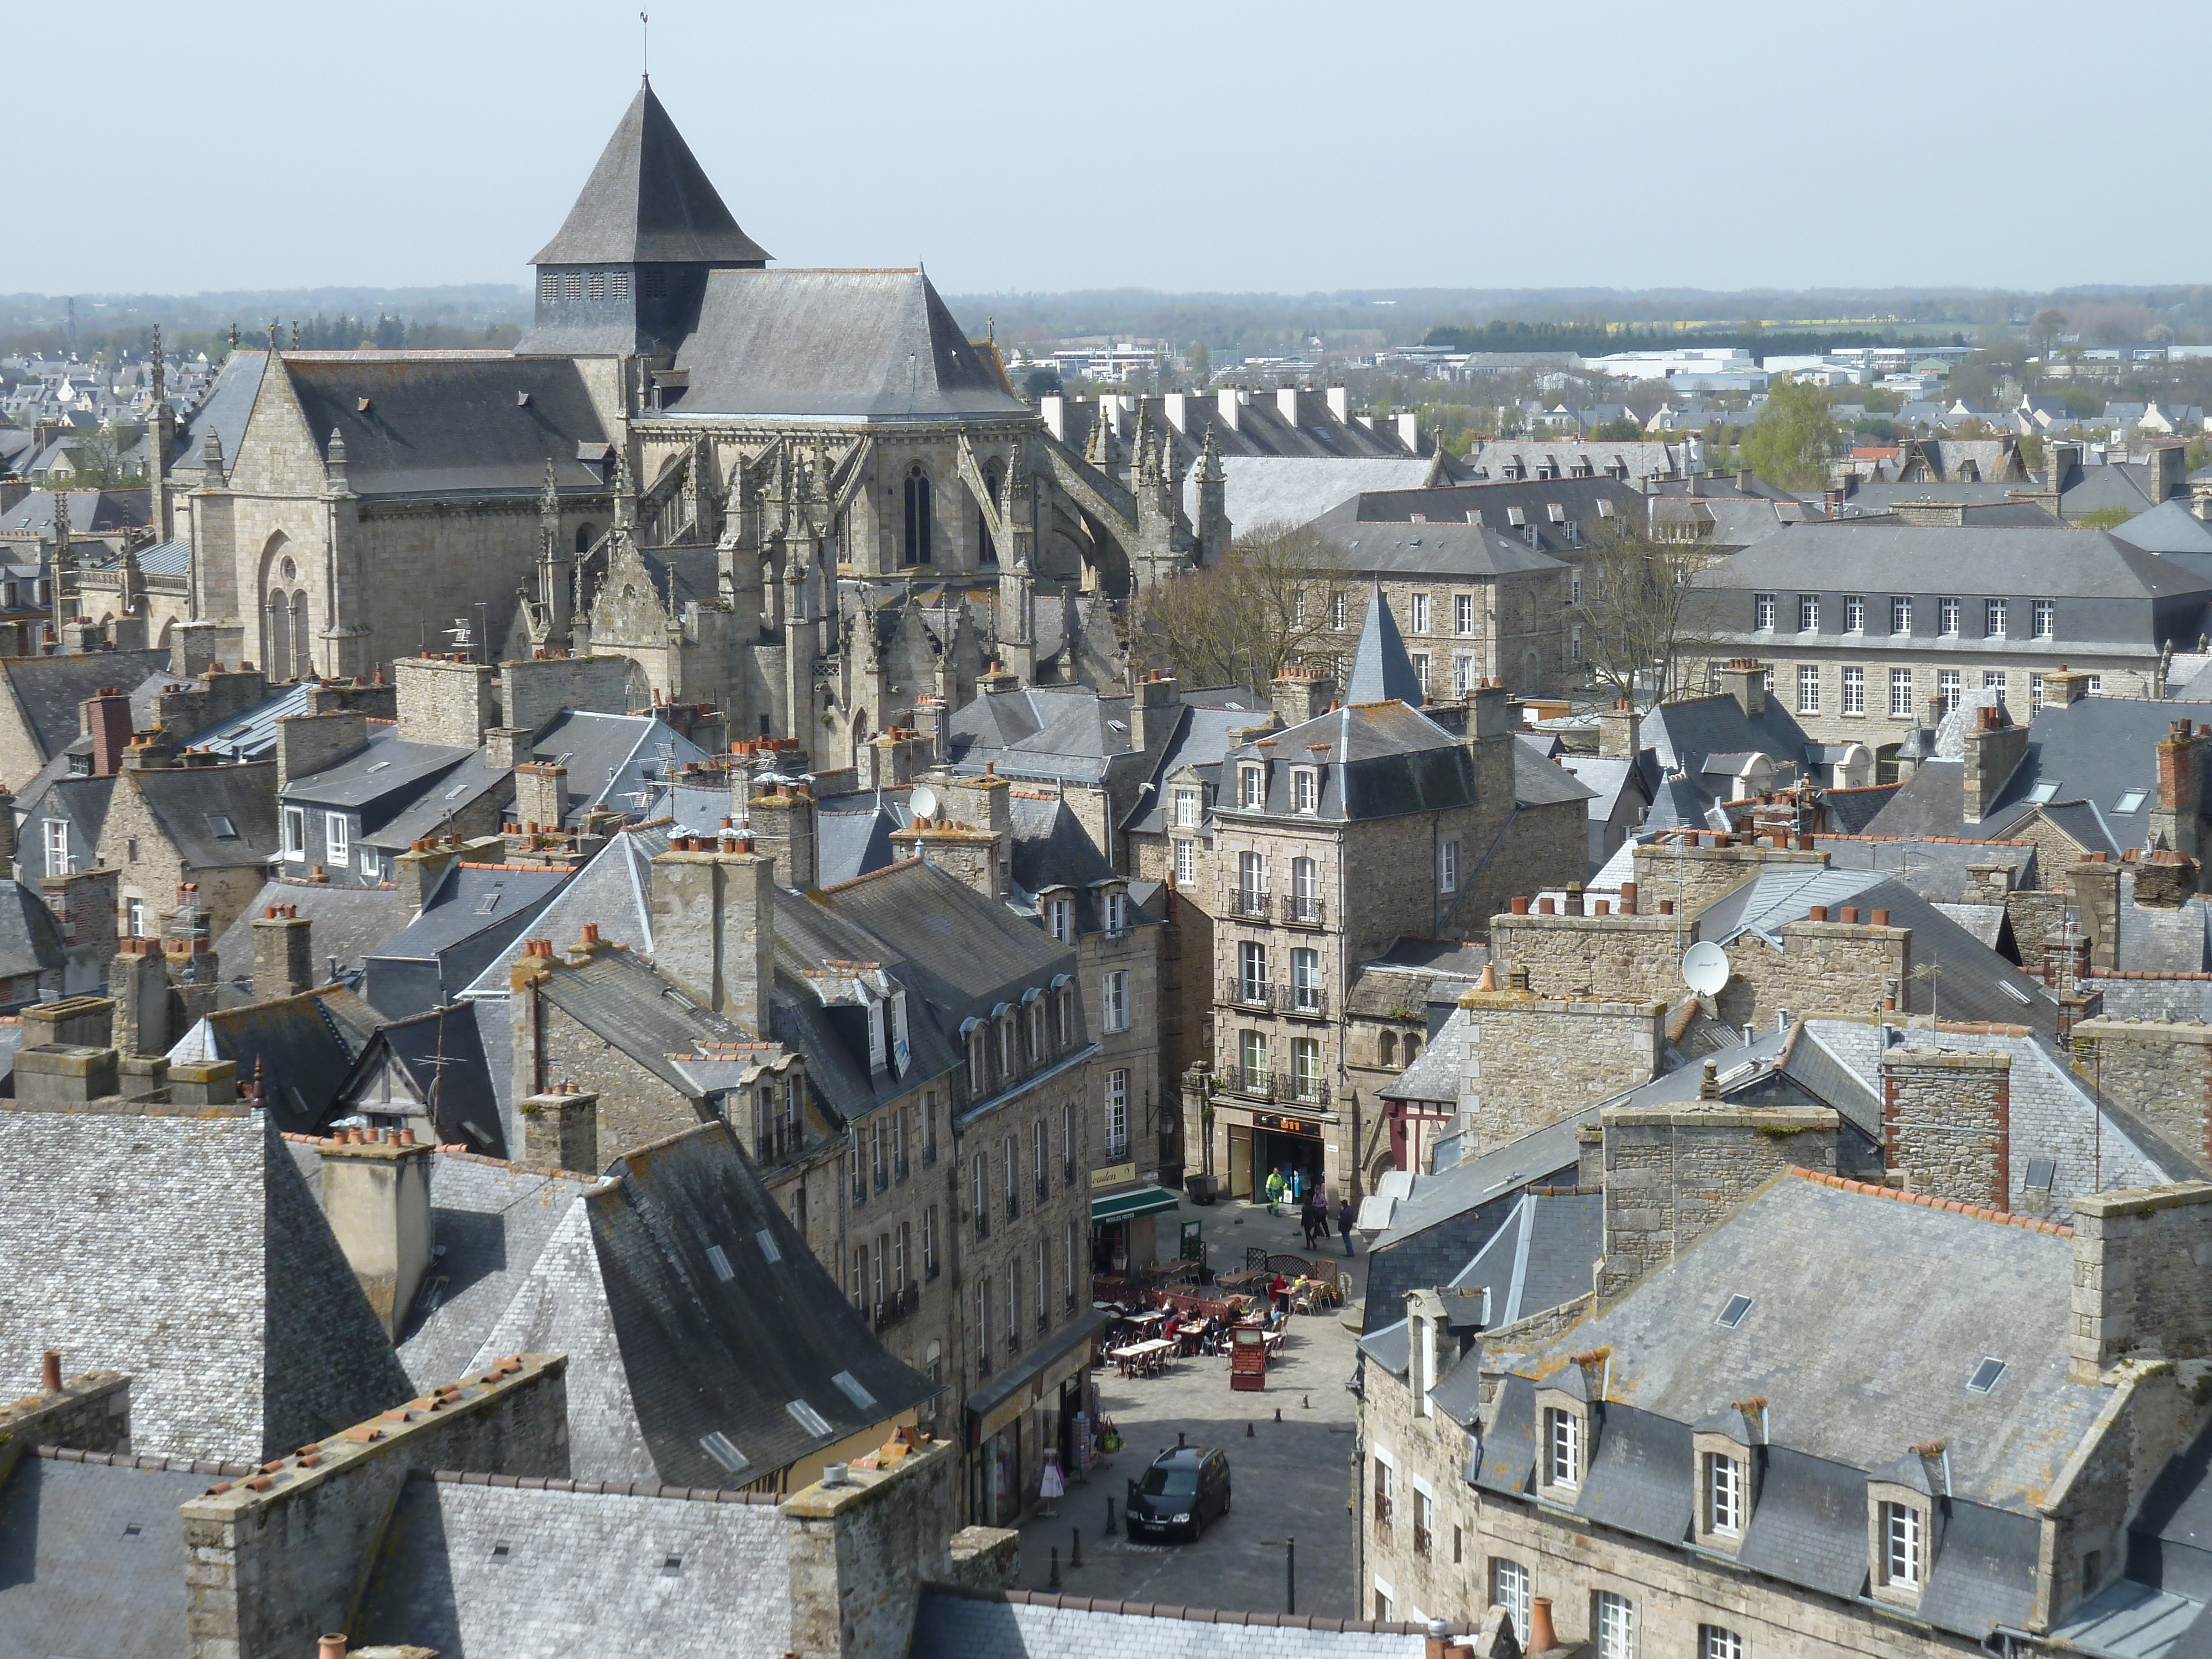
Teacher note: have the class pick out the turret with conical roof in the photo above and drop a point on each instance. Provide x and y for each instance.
(1381, 670)
(624, 272)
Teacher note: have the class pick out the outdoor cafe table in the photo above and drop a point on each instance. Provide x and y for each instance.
(1146, 1358)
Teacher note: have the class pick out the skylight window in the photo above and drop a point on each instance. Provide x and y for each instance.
(1986, 1377)
(221, 824)
(719, 1260)
(379, 766)
(2132, 801)
(852, 1390)
(487, 904)
(457, 790)
(766, 1240)
(1732, 1316)
(2041, 1172)
(2044, 792)
(2014, 991)
(717, 1446)
(808, 1419)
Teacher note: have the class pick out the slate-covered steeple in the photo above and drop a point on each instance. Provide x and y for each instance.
(1381, 670)
(624, 272)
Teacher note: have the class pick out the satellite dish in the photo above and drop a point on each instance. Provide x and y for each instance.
(1706, 968)
(923, 801)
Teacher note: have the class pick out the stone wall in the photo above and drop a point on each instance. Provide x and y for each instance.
(1622, 958)
(532, 693)
(446, 701)
(1531, 1059)
(90, 1413)
(1673, 1173)
(860, 1553)
(1830, 966)
(2142, 1276)
(2161, 1072)
(1427, 1452)
(276, 1559)
(1946, 1123)
(1690, 878)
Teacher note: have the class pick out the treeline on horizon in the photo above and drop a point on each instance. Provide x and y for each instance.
(1596, 340)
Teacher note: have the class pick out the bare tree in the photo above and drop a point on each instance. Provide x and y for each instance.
(1266, 605)
(1639, 615)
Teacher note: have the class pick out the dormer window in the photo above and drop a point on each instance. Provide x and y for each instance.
(1117, 913)
(1060, 918)
(1186, 809)
(1902, 1517)
(1723, 1494)
(1305, 789)
(1252, 786)
(1562, 1448)
(1901, 1544)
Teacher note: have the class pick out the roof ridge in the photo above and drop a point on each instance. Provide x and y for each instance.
(871, 875)
(142, 1461)
(550, 869)
(1022, 1598)
(1926, 1200)
(597, 1488)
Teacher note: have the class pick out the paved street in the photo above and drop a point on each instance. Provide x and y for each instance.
(1289, 1479)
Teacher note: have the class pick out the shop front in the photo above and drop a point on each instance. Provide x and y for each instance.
(1253, 1143)
(1024, 1412)
(1124, 1236)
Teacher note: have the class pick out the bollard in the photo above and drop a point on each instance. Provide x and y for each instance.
(1307, 1401)
(1279, 1413)
(1290, 1574)
(1248, 1430)
(1075, 1548)
(1054, 1583)
(1178, 1439)
(1109, 1516)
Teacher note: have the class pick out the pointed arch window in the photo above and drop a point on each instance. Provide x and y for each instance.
(917, 549)
(278, 652)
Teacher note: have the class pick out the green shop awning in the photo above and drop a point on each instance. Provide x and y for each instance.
(1120, 1206)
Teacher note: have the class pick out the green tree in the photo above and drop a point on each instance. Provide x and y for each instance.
(1263, 607)
(1199, 363)
(2105, 518)
(2045, 331)
(1791, 440)
(1621, 429)
(1638, 614)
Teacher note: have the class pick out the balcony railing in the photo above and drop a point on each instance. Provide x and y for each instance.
(1423, 1541)
(1281, 1088)
(1247, 904)
(898, 1305)
(1381, 1509)
(1306, 1002)
(1238, 992)
(1117, 1151)
(1304, 911)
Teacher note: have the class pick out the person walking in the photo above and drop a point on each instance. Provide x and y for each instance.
(1275, 1190)
(1313, 1217)
(1344, 1223)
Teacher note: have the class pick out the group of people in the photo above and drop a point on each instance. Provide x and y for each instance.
(1312, 1200)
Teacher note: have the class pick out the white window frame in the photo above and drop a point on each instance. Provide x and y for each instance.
(2034, 693)
(1947, 613)
(338, 842)
(1186, 807)
(1900, 613)
(1854, 689)
(1723, 1495)
(1305, 980)
(1616, 1626)
(1510, 1588)
(1114, 1001)
(1463, 614)
(1808, 687)
(1900, 679)
(1718, 1642)
(1762, 612)
(295, 833)
(1251, 786)
(1117, 1115)
(1185, 862)
(1950, 688)
(1419, 614)
(1060, 918)
(1562, 1448)
(1448, 866)
(2046, 619)
(60, 861)
(1854, 613)
(1808, 613)
(1996, 618)
(1117, 914)
(1305, 789)
(1903, 1546)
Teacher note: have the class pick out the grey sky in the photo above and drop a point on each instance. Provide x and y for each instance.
(1223, 144)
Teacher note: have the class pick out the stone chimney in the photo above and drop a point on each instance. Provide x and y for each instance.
(1947, 1123)
(308, 744)
(138, 984)
(2094, 882)
(2168, 467)
(541, 797)
(105, 717)
(65, 1074)
(1154, 707)
(1744, 679)
(418, 872)
(82, 904)
(714, 925)
(283, 953)
(2064, 687)
(444, 700)
(1301, 695)
(1617, 730)
(890, 758)
(784, 827)
(203, 1083)
(2141, 1286)
(2164, 879)
(376, 1197)
(1995, 747)
(561, 1130)
(997, 678)
(2177, 818)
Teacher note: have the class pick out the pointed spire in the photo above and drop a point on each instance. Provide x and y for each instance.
(1381, 670)
(211, 461)
(159, 378)
(649, 202)
(1209, 459)
(334, 463)
(549, 499)
(233, 336)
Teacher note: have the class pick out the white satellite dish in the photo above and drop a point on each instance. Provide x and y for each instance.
(1706, 968)
(923, 801)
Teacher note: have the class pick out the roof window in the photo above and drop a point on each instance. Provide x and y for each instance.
(222, 826)
(717, 1446)
(2132, 801)
(808, 1419)
(1732, 1316)
(719, 1260)
(2041, 1172)
(852, 1391)
(1985, 1376)
(2044, 792)
(766, 1240)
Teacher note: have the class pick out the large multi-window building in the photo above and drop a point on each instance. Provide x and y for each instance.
(1865, 626)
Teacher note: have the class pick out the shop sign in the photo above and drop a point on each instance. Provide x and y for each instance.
(1289, 1126)
(1113, 1175)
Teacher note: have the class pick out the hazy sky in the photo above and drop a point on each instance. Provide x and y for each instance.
(1225, 144)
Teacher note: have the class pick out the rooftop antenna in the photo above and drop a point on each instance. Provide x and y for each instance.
(645, 47)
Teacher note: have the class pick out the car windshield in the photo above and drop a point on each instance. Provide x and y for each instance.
(1169, 1483)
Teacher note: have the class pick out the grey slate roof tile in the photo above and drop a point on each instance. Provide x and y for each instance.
(648, 201)
(73, 1580)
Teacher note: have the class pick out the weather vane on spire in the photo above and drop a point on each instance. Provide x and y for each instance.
(645, 43)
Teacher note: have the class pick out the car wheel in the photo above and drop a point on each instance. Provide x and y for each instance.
(1197, 1525)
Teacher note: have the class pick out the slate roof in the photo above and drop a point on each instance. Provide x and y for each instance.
(349, 922)
(91, 511)
(73, 1580)
(224, 410)
(849, 843)
(1545, 1254)
(1381, 670)
(664, 1351)
(418, 424)
(476, 913)
(382, 779)
(44, 692)
(609, 891)
(2062, 563)
(648, 202)
(1297, 490)
(953, 1624)
(878, 344)
(580, 1574)
(619, 994)
(2168, 528)
(301, 1046)
(442, 1059)
(195, 805)
(186, 1250)
(1201, 737)
(30, 942)
(1054, 731)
